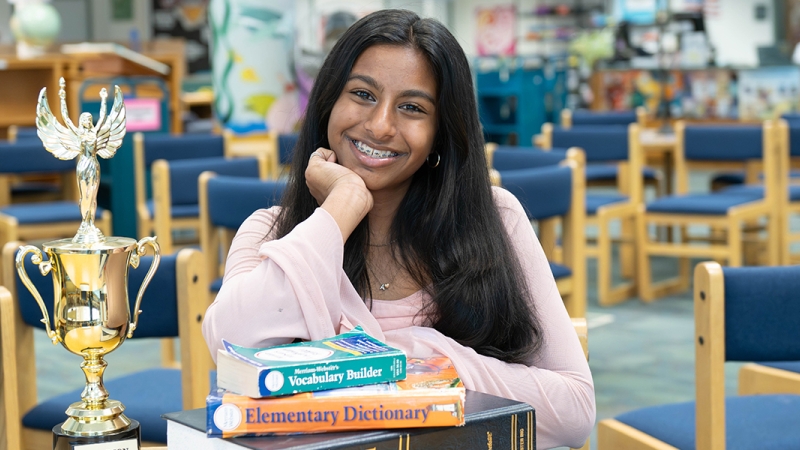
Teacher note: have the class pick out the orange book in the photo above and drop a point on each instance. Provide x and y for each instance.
(432, 395)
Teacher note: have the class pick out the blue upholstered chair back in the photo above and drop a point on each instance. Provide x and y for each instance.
(761, 313)
(586, 117)
(543, 191)
(27, 134)
(599, 143)
(231, 200)
(794, 138)
(159, 303)
(30, 156)
(513, 158)
(793, 118)
(183, 175)
(723, 143)
(286, 144)
(187, 146)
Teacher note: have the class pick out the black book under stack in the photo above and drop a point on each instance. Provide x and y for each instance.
(490, 423)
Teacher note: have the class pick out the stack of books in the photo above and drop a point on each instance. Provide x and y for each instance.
(286, 397)
(348, 382)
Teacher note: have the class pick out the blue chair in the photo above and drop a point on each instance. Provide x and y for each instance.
(149, 148)
(752, 172)
(725, 212)
(502, 157)
(604, 157)
(551, 193)
(787, 204)
(740, 314)
(173, 304)
(621, 146)
(40, 220)
(286, 144)
(225, 203)
(175, 190)
(581, 117)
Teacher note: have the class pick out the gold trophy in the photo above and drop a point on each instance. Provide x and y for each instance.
(90, 277)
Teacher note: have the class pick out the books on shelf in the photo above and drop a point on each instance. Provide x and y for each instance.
(432, 395)
(349, 359)
(490, 423)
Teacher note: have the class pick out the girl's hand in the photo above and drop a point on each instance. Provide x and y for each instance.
(338, 190)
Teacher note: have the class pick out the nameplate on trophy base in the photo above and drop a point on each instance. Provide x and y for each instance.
(128, 438)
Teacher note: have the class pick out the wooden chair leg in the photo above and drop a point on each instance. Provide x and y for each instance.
(627, 253)
(168, 358)
(604, 259)
(750, 245)
(684, 264)
(735, 242)
(643, 258)
(774, 235)
(784, 239)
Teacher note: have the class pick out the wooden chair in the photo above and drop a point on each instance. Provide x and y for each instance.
(725, 212)
(549, 193)
(620, 145)
(175, 195)
(741, 314)
(176, 299)
(779, 377)
(225, 203)
(600, 172)
(788, 138)
(152, 147)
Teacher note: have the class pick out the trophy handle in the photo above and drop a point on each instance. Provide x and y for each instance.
(44, 268)
(141, 250)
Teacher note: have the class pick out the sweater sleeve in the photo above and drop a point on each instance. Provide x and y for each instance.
(275, 291)
(557, 383)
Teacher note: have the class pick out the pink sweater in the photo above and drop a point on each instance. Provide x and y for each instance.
(278, 290)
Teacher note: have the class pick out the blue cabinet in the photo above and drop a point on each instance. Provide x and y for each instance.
(511, 102)
(517, 96)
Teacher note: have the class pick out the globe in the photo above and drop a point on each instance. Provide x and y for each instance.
(36, 24)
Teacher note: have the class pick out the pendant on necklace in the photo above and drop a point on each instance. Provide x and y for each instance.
(384, 286)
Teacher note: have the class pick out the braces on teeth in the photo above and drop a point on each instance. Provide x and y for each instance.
(367, 150)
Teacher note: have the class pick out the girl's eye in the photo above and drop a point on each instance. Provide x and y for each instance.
(411, 108)
(364, 95)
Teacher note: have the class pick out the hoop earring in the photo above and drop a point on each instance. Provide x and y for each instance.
(438, 160)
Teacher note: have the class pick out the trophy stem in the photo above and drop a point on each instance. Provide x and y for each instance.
(96, 415)
(94, 395)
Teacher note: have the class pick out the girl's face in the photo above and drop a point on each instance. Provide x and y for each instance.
(383, 125)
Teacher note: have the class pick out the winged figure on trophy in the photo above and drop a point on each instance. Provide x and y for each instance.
(86, 141)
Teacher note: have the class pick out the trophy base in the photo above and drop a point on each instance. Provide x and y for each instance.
(128, 438)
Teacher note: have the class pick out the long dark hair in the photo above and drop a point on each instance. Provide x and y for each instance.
(447, 232)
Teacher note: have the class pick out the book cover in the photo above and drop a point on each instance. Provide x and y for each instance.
(432, 395)
(349, 359)
(490, 423)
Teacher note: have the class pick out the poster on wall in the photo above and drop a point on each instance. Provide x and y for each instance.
(768, 92)
(496, 30)
(254, 86)
(187, 19)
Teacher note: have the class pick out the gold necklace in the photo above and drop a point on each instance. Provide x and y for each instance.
(384, 286)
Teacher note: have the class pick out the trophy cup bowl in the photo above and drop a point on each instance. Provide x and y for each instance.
(91, 309)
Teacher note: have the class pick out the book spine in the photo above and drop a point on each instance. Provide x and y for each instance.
(335, 374)
(235, 415)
